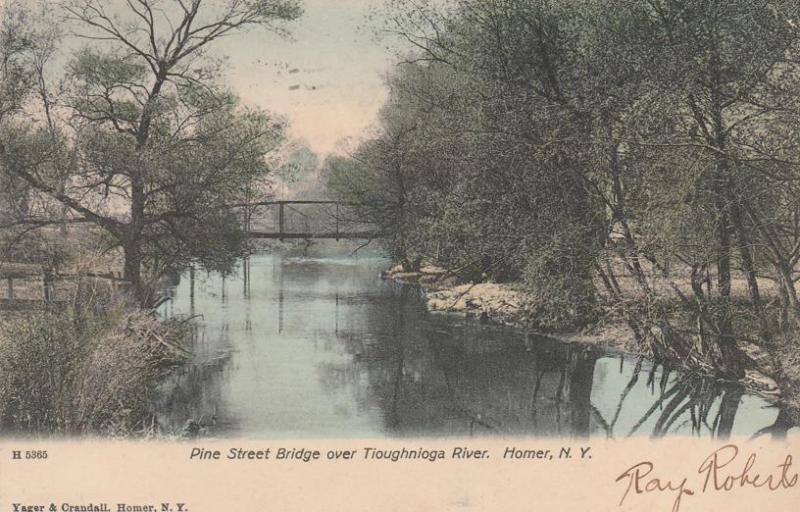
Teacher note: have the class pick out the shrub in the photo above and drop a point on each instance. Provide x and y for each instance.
(90, 374)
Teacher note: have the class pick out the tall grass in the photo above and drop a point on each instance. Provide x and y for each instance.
(82, 372)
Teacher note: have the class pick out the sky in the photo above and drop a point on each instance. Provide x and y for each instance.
(328, 80)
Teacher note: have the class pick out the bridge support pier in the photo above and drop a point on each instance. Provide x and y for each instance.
(280, 220)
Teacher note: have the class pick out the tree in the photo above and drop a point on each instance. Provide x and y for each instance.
(161, 151)
(378, 180)
(584, 150)
(491, 179)
(16, 82)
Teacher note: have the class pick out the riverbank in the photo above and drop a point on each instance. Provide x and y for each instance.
(86, 372)
(505, 304)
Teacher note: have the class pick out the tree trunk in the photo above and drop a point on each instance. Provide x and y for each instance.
(724, 254)
(132, 247)
(731, 364)
(745, 247)
(134, 238)
(133, 271)
(746, 253)
(789, 292)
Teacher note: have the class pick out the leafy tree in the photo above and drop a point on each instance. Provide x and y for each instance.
(160, 150)
(16, 82)
(571, 146)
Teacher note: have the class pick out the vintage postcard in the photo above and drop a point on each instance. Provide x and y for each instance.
(401, 255)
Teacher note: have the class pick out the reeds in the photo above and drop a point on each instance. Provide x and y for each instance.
(86, 372)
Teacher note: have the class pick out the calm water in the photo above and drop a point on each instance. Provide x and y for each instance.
(323, 348)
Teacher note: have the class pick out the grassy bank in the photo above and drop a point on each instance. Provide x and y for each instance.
(79, 372)
(78, 356)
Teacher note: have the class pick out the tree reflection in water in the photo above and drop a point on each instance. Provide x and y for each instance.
(454, 377)
(326, 349)
(700, 403)
(695, 395)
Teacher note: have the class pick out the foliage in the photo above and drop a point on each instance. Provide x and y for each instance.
(596, 154)
(78, 372)
(145, 141)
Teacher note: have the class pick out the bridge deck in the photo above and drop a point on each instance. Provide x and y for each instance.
(307, 236)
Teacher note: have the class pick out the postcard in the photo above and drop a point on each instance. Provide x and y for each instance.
(401, 255)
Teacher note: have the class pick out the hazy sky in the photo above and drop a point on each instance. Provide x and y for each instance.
(338, 85)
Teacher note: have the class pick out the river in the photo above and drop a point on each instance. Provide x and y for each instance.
(324, 348)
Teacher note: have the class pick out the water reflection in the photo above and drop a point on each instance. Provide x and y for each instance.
(310, 348)
(681, 403)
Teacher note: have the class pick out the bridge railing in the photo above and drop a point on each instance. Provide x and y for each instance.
(306, 220)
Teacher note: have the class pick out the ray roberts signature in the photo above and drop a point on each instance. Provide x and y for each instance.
(724, 470)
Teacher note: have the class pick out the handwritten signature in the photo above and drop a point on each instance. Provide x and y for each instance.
(722, 471)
